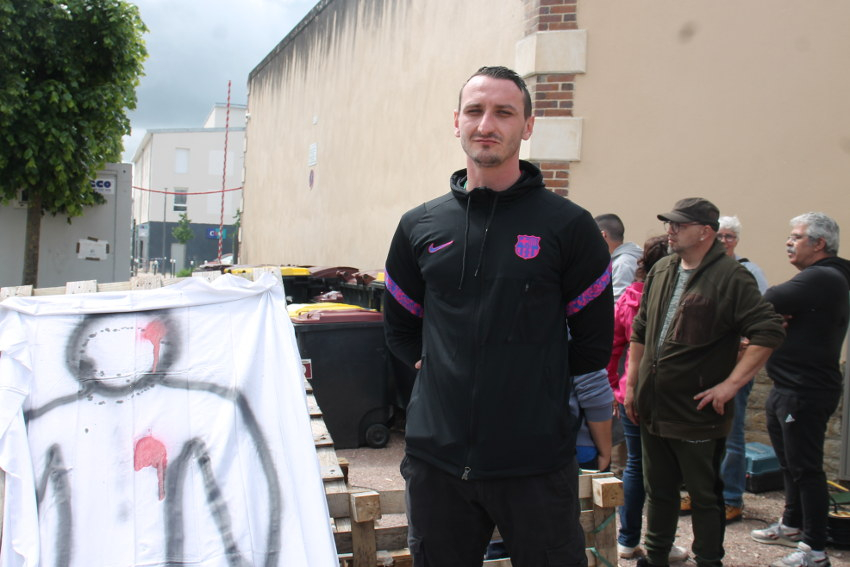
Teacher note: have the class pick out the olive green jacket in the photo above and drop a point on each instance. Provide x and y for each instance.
(720, 304)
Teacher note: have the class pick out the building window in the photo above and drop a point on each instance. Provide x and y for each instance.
(181, 160)
(180, 199)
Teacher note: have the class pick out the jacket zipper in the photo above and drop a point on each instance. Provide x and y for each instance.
(474, 394)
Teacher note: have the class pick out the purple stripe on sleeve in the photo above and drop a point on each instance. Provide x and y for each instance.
(403, 298)
(591, 293)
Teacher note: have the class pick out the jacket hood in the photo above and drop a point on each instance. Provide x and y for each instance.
(839, 264)
(631, 296)
(628, 249)
(530, 179)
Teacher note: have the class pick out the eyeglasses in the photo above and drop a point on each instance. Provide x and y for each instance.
(674, 227)
(729, 237)
(796, 237)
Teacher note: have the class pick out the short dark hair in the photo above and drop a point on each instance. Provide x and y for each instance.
(654, 249)
(504, 73)
(611, 224)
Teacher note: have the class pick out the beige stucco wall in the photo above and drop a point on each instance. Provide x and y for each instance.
(745, 103)
(373, 85)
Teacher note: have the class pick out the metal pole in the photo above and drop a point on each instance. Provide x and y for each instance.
(224, 173)
(164, 200)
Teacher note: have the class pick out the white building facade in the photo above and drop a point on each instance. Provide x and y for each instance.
(180, 170)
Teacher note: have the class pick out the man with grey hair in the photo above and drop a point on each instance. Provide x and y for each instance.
(807, 384)
(733, 470)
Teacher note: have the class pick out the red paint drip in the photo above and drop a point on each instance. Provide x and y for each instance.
(154, 333)
(150, 452)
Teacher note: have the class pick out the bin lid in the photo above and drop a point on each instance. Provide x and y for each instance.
(294, 271)
(352, 316)
(284, 270)
(331, 313)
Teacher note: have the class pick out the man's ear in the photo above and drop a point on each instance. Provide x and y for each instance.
(457, 126)
(529, 128)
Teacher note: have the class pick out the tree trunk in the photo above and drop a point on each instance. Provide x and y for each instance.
(31, 239)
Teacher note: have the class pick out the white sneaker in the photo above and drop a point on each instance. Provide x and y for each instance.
(803, 557)
(677, 554)
(626, 552)
(778, 534)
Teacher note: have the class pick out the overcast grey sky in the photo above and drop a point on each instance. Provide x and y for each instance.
(194, 48)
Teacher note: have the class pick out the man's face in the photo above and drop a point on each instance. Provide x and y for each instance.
(681, 237)
(802, 250)
(490, 122)
(729, 240)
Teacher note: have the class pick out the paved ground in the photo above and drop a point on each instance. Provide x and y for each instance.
(378, 469)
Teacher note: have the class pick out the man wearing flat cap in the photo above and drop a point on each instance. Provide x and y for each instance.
(684, 370)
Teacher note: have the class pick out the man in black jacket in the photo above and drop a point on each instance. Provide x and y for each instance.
(482, 284)
(806, 384)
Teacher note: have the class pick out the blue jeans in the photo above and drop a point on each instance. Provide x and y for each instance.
(733, 471)
(632, 509)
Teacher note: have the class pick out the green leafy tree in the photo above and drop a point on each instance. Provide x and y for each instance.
(68, 74)
(182, 233)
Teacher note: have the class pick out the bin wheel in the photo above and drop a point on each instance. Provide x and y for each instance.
(377, 435)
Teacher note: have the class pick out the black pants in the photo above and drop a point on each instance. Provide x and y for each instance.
(451, 520)
(797, 428)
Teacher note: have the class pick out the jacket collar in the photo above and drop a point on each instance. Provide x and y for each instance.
(530, 179)
(714, 254)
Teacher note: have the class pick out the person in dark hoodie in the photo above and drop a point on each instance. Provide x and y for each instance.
(807, 384)
(483, 285)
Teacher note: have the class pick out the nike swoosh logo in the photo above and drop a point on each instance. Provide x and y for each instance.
(433, 248)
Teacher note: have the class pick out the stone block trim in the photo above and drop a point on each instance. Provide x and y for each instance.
(552, 93)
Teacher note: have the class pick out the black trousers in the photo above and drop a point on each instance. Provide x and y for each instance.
(797, 428)
(451, 520)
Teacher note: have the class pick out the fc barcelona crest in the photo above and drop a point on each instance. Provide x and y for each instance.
(527, 247)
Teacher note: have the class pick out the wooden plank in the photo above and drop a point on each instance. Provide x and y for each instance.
(607, 492)
(85, 286)
(39, 291)
(365, 509)
(585, 483)
(394, 537)
(330, 466)
(313, 406)
(321, 436)
(365, 506)
(400, 558)
(605, 529)
(114, 286)
(146, 281)
(15, 291)
(393, 502)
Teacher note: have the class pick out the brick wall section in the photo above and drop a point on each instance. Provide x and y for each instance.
(552, 94)
(755, 428)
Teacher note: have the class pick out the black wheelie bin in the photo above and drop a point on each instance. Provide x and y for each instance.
(348, 365)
